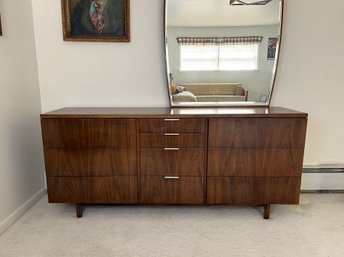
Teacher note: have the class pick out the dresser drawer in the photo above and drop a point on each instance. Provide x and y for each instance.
(90, 162)
(172, 125)
(70, 133)
(171, 190)
(166, 161)
(235, 190)
(172, 140)
(119, 189)
(255, 162)
(67, 190)
(257, 133)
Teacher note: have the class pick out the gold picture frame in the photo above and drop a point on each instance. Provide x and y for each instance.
(96, 20)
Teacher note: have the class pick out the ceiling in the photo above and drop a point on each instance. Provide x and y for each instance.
(215, 13)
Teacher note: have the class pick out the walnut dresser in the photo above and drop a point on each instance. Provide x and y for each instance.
(202, 156)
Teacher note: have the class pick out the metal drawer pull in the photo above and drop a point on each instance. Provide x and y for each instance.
(172, 134)
(171, 177)
(171, 119)
(171, 149)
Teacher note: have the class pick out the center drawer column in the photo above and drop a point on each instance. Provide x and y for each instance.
(172, 160)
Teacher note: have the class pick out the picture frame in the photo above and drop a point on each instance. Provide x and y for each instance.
(96, 20)
(272, 45)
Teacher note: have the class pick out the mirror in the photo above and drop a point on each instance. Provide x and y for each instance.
(221, 52)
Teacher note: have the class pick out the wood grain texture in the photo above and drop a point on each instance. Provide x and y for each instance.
(233, 132)
(65, 162)
(166, 112)
(67, 189)
(179, 126)
(185, 161)
(257, 133)
(118, 190)
(178, 140)
(62, 133)
(158, 190)
(253, 191)
(232, 162)
(282, 132)
(90, 162)
(112, 162)
(255, 162)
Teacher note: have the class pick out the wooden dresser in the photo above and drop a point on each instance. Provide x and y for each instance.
(239, 156)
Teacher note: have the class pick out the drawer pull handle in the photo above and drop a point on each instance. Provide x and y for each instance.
(171, 149)
(172, 134)
(171, 177)
(171, 119)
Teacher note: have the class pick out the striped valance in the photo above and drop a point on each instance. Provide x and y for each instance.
(219, 40)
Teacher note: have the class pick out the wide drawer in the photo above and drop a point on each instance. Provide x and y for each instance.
(257, 133)
(67, 190)
(172, 140)
(90, 162)
(234, 190)
(255, 162)
(88, 133)
(119, 189)
(172, 125)
(171, 190)
(172, 161)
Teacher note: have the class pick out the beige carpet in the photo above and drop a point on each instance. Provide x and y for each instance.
(314, 228)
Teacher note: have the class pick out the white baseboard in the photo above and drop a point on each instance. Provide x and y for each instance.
(17, 214)
(322, 181)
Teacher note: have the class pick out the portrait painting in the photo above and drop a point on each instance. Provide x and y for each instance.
(96, 20)
(272, 44)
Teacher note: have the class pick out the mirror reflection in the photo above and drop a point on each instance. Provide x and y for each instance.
(220, 53)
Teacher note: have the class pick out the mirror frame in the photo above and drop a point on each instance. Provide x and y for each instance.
(224, 104)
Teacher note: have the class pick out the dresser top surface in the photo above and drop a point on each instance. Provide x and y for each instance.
(161, 112)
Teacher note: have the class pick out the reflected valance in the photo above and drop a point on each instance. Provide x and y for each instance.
(247, 40)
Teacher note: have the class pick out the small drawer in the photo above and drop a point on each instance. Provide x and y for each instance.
(170, 125)
(175, 161)
(172, 140)
(171, 190)
(236, 190)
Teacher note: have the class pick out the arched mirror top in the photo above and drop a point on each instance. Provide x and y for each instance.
(222, 53)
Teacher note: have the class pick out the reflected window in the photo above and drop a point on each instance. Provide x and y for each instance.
(219, 57)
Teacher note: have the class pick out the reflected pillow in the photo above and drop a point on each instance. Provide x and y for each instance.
(239, 91)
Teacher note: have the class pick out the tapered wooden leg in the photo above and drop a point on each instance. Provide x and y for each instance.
(266, 211)
(79, 210)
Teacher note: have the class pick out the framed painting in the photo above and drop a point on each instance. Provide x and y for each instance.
(96, 20)
(272, 44)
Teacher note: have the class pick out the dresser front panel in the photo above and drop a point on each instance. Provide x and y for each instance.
(184, 161)
(71, 133)
(186, 140)
(172, 125)
(253, 190)
(165, 190)
(72, 162)
(255, 162)
(119, 190)
(257, 133)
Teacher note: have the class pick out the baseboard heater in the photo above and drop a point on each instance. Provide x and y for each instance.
(322, 180)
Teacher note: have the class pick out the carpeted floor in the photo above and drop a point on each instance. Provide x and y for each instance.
(314, 228)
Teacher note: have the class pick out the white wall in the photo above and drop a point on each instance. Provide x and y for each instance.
(256, 82)
(310, 77)
(21, 164)
(101, 74)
